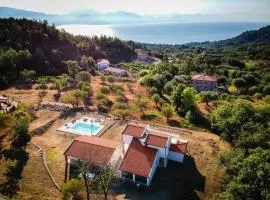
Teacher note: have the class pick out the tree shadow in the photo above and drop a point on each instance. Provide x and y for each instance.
(14, 172)
(24, 86)
(70, 113)
(148, 116)
(174, 123)
(178, 181)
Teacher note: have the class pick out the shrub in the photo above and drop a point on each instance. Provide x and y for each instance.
(266, 99)
(121, 98)
(156, 99)
(105, 102)
(21, 135)
(168, 88)
(208, 96)
(195, 116)
(102, 108)
(153, 90)
(110, 79)
(260, 88)
(258, 95)
(143, 72)
(100, 96)
(42, 86)
(120, 106)
(222, 80)
(267, 78)
(2, 117)
(239, 82)
(252, 90)
(120, 93)
(83, 76)
(115, 88)
(105, 90)
(223, 96)
(73, 189)
(167, 111)
(266, 90)
(103, 78)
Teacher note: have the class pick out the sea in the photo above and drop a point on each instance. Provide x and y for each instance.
(164, 33)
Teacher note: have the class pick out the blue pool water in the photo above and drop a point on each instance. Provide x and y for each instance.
(91, 129)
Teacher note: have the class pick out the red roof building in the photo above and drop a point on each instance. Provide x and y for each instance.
(92, 149)
(138, 159)
(157, 139)
(202, 82)
(134, 129)
(179, 148)
(145, 150)
(203, 77)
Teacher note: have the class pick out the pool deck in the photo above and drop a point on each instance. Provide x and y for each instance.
(105, 122)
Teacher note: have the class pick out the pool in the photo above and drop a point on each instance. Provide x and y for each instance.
(91, 128)
(84, 126)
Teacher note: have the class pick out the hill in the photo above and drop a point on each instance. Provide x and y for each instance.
(254, 44)
(87, 16)
(259, 36)
(43, 48)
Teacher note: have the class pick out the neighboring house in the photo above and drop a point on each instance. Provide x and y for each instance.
(145, 150)
(202, 82)
(115, 71)
(143, 57)
(102, 64)
(98, 151)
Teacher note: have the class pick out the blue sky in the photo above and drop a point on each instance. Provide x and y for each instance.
(238, 10)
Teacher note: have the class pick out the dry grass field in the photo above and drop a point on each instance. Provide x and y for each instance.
(202, 158)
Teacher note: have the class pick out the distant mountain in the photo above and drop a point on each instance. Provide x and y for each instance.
(94, 17)
(259, 36)
(13, 12)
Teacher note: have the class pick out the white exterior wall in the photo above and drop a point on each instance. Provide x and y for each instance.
(153, 170)
(126, 140)
(179, 157)
(102, 65)
(163, 152)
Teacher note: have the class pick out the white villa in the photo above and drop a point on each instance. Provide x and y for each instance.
(145, 150)
(103, 64)
(137, 158)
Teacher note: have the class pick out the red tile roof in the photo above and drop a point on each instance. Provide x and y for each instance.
(203, 77)
(93, 149)
(179, 148)
(157, 139)
(139, 159)
(134, 129)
